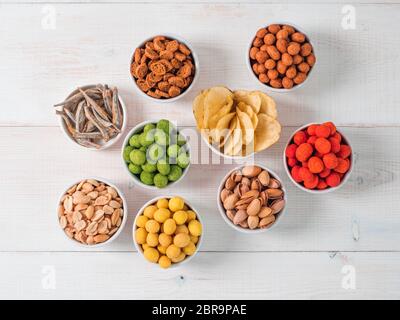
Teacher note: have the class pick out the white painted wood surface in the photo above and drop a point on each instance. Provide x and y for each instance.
(355, 84)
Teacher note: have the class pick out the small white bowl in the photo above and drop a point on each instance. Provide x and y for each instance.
(268, 87)
(124, 217)
(327, 190)
(152, 202)
(239, 228)
(195, 61)
(226, 156)
(108, 143)
(136, 180)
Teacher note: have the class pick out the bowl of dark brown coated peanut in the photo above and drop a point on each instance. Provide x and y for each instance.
(281, 57)
(164, 68)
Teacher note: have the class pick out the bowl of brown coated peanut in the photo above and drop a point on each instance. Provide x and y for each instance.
(281, 57)
(164, 68)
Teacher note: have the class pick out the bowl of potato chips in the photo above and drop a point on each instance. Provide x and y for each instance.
(236, 124)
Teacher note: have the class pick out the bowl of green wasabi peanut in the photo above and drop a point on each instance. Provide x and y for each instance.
(156, 154)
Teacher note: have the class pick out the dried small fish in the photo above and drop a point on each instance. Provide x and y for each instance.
(79, 116)
(89, 127)
(92, 115)
(95, 106)
(67, 121)
(116, 109)
(70, 115)
(105, 123)
(107, 97)
(88, 143)
(73, 100)
(87, 135)
(89, 114)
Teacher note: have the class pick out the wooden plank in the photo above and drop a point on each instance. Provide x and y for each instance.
(38, 164)
(356, 70)
(318, 275)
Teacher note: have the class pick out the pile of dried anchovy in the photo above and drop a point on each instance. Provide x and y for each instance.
(92, 116)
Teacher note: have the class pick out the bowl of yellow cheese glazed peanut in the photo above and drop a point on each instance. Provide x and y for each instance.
(168, 231)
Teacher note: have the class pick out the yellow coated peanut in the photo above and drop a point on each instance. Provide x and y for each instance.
(164, 262)
(141, 221)
(173, 251)
(151, 254)
(190, 249)
(182, 229)
(140, 235)
(162, 214)
(180, 217)
(195, 228)
(176, 204)
(181, 240)
(152, 226)
(179, 258)
(162, 249)
(169, 226)
(164, 239)
(152, 239)
(191, 215)
(162, 203)
(149, 211)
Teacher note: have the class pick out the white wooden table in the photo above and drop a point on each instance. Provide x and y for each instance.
(321, 242)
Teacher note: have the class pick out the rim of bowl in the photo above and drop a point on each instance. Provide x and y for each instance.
(223, 155)
(331, 189)
(136, 180)
(106, 145)
(153, 201)
(195, 61)
(282, 89)
(221, 209)
(121, 227)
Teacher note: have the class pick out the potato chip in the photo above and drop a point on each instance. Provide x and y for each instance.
(239, 123)
(233, 144)
(267, 132)
(212, 123)
(215, 99)
(222, 128)
(252, 99)
(268, 105)
(249, 110)
(246, 127)
(198, 109)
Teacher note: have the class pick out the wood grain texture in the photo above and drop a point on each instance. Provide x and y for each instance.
(38, 164)
(208, 276)
(354, 82)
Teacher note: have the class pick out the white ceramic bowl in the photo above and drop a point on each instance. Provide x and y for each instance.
(266, 86)
(239, 228)
(153, 201)
(124, 217)
(136, 179)
(195, 61)
(108, 143)
(327, 190)
(223, 155)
